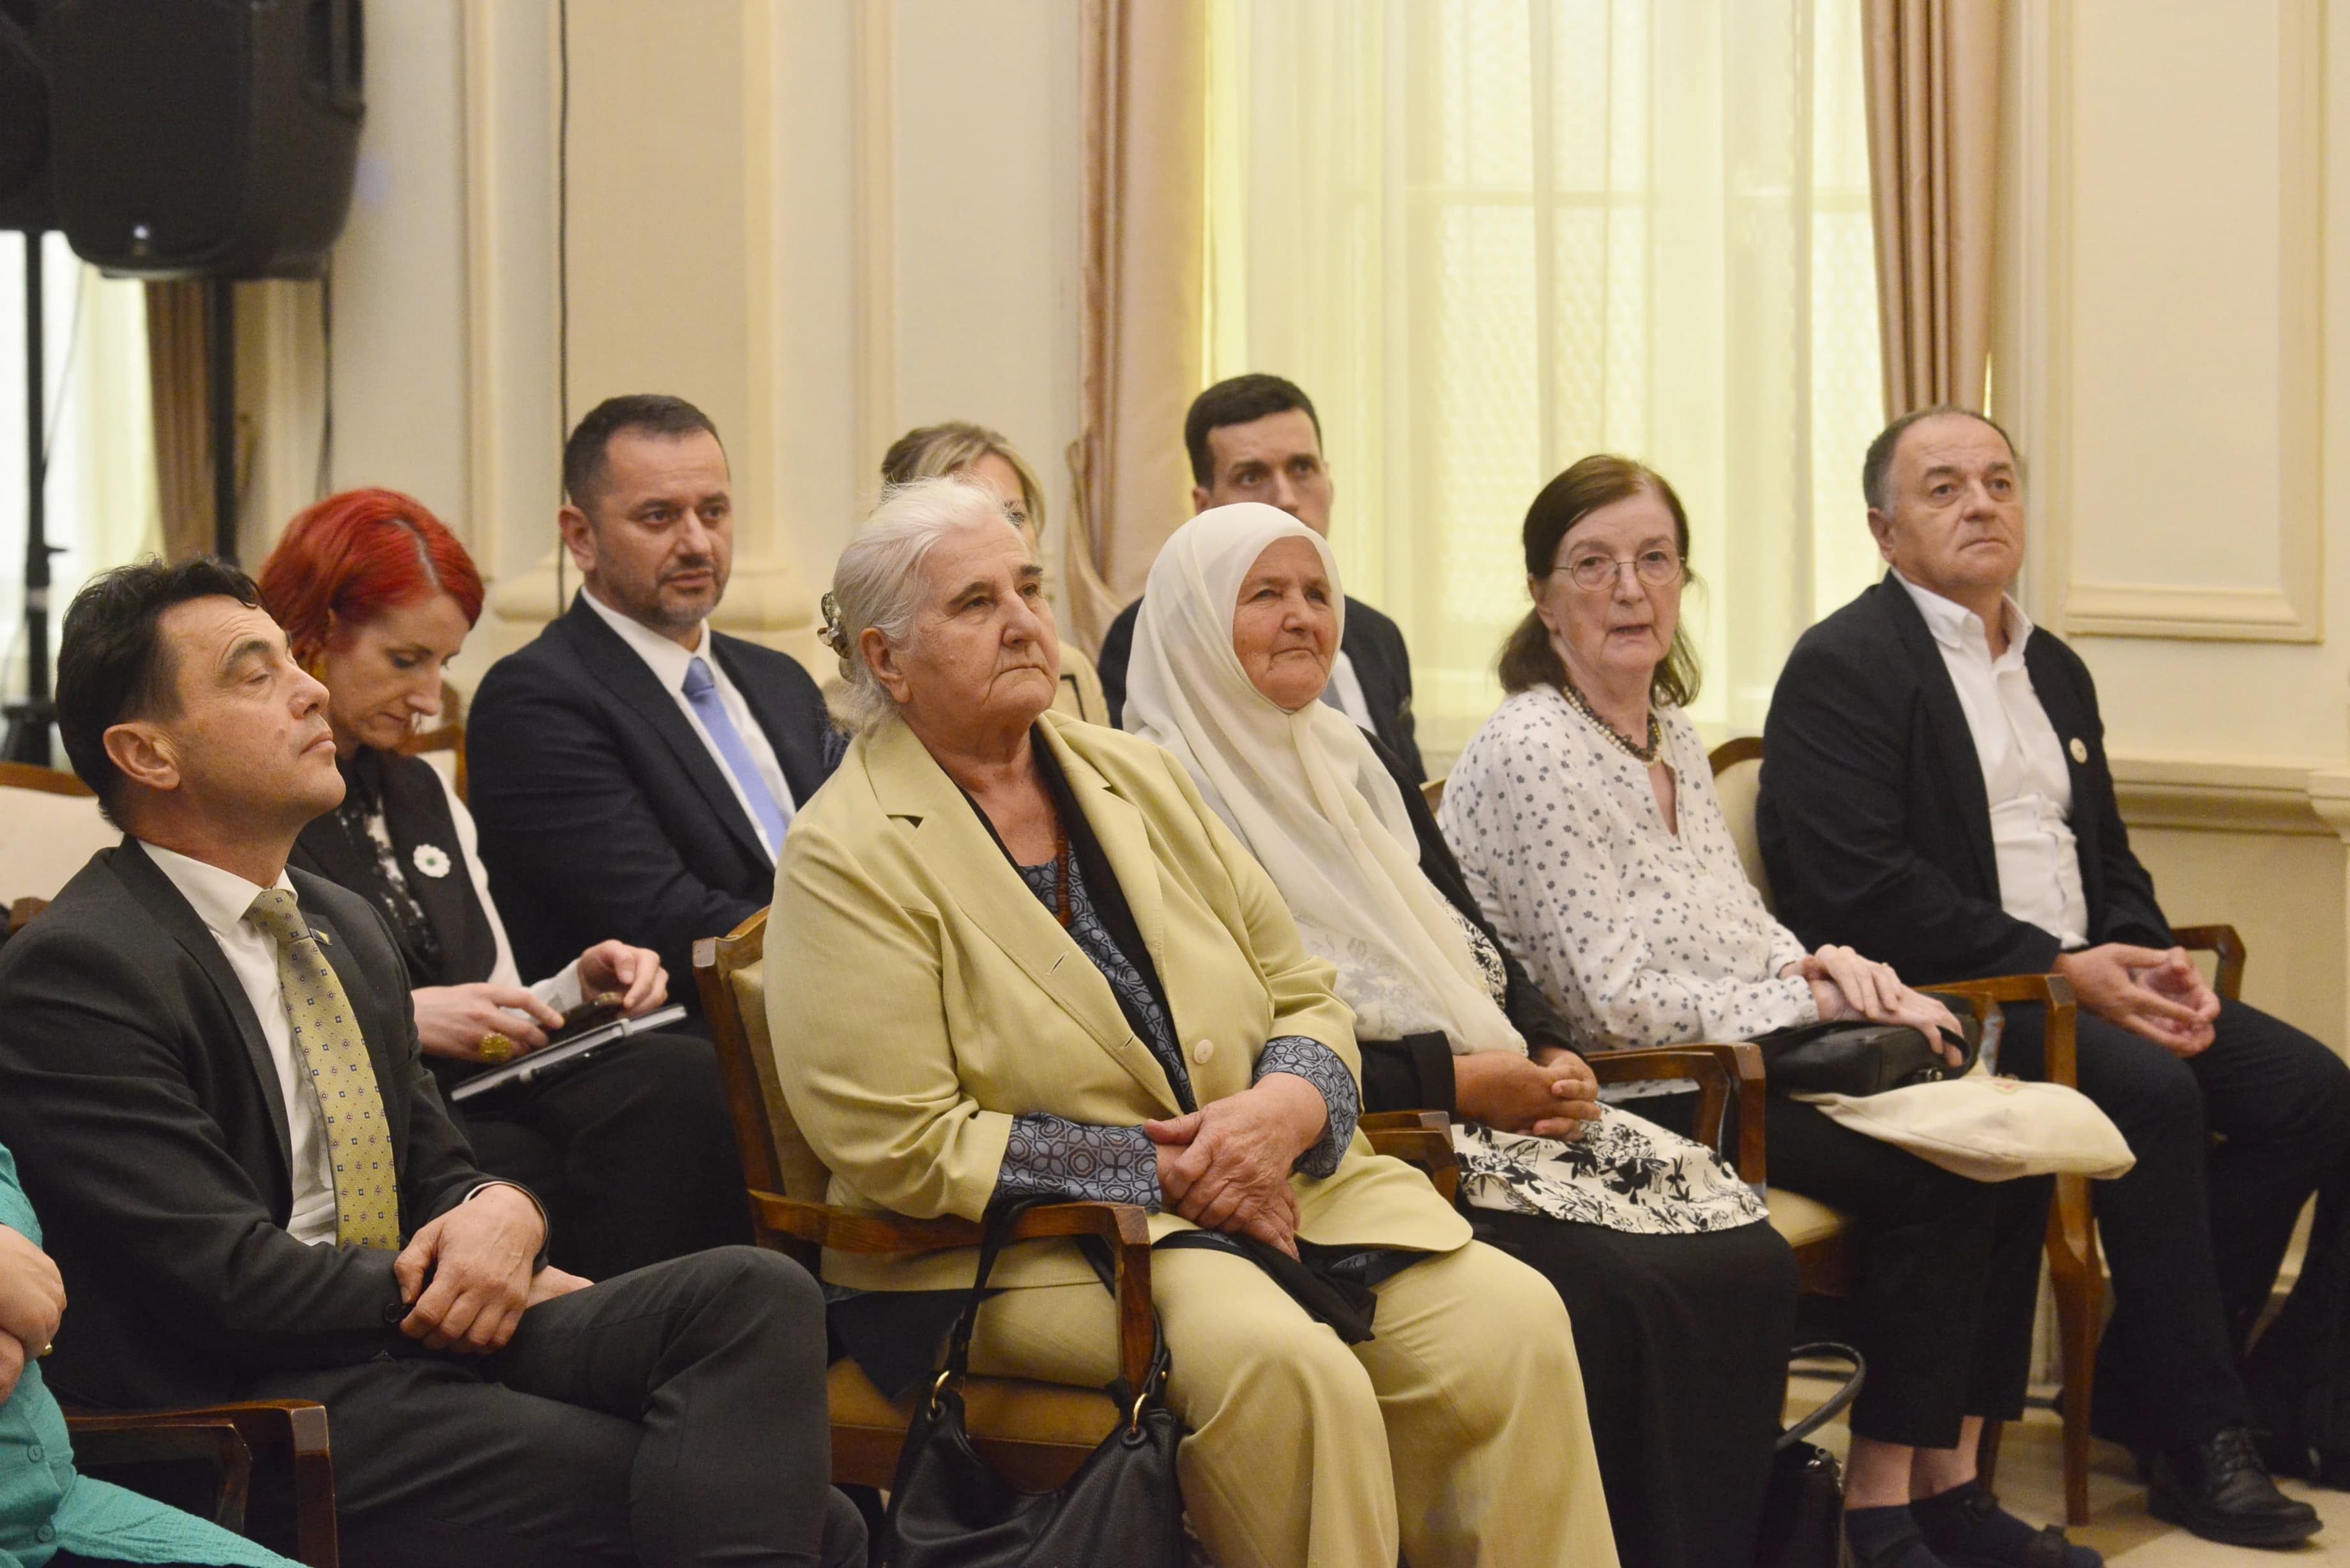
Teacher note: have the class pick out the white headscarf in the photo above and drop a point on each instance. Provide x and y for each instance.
(1304, 791)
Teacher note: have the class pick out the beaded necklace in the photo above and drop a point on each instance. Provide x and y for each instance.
(1581, 704)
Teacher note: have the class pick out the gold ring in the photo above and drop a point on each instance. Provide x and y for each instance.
(43, 1350)
(496, 1047)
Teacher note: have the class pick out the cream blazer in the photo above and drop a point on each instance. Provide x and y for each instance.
(920, 997)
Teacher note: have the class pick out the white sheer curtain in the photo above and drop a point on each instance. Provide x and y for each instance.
(101, 448)
(1490, 236)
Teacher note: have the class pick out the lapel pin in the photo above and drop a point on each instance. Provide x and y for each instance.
(2080, 751)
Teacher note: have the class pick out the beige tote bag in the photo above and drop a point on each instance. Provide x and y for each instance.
(1987, 1128)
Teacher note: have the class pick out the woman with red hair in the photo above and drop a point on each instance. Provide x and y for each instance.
(630, 1150)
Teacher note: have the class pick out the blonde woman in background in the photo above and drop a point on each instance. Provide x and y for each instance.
(958, 448)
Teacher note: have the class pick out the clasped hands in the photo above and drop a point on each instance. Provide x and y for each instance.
(32, 1303)
(1847, 986)
(1549, 1095)
(451, 1020)
(466, 1276)
(1225, 1167)
(2158, 995)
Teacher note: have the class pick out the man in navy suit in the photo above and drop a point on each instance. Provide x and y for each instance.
(1935, 786)
(633, 770)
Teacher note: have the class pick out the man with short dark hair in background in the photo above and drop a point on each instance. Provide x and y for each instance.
(633, 770)
(210, 1080)
(1935, 784)
(1257, 438)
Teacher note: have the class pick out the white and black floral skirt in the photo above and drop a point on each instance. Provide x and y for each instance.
(1624, 1173)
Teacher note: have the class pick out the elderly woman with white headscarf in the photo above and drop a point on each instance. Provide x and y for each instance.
(1682, 1302)
(1024, 957)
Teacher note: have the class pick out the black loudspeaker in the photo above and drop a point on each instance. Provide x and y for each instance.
(203, 138)
(26, 202)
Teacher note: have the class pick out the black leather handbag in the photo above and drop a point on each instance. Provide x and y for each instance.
(1803, 1511)
(1861, 1059)
(949, 1508)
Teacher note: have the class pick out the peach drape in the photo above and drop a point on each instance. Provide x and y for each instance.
(1933, 70)
(1146, 72)
(177, 334)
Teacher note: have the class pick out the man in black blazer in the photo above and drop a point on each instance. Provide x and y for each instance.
(210, 1076)
(633, 770)
(1257, 438)
(1935, 791)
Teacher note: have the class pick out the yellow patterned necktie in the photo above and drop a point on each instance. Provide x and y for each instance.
(326, 1033)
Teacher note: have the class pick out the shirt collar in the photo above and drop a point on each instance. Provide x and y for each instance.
(667, 661)
(220, 899)
(1958, 629)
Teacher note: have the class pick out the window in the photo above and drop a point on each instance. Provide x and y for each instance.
(1490, 236)
(101, 479)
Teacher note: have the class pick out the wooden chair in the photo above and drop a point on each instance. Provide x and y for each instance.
(1035, 1434)
(230, 1436)
(449, 735)
(2073, 1266)
(54, 826)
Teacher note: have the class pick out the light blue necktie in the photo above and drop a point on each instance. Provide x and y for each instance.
(702, 691)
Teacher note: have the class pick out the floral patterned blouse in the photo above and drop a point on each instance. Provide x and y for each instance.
(1641, 936)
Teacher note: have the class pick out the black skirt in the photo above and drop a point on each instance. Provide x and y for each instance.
(1683, 1342)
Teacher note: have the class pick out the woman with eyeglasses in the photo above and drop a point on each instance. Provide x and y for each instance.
(1586, 822)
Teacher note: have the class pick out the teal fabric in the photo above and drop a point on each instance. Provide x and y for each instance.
(46, 1507)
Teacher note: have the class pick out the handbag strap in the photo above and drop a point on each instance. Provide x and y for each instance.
(995, 1231)
(1838, 1402)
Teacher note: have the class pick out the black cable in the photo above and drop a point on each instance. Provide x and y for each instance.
(562, 261)
(326, 419)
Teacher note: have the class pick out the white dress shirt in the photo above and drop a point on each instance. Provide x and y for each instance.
(2025, 775)
(1348, 687)
(669, 662)
(221, 900)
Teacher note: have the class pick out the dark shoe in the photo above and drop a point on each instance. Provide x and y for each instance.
(1887, 1538)
(2219, 1490)
(1968, 1529)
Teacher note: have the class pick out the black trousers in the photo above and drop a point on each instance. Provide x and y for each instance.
(632, 1154)
(1949, 1275)
(672, 1415)
(2194, 1234)
(1683, 1342)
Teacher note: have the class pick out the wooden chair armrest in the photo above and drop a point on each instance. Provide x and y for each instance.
(1717, 1067)
(1124, 1226)
(2053, 992)
(2223, 940)
(229, 1435)
(1422, 1138)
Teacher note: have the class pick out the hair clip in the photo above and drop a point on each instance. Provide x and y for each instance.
(835, 635)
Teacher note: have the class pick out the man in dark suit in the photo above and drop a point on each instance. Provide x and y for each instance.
(1936, 789)
(1257, 438)
(210, 1076)
(633, 770)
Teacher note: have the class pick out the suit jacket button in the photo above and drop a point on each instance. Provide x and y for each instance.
(395, 1312)
(1202, 1050)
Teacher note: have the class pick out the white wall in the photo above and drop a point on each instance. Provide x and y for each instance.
(821, 220)
(2170, 317)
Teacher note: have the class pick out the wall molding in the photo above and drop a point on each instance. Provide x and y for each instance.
(2279, 798)
(2293, 609)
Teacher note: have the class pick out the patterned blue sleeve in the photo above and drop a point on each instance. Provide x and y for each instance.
(1074, 1159)
(1320, 1066)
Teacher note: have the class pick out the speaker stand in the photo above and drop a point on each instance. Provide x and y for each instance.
(28, 720)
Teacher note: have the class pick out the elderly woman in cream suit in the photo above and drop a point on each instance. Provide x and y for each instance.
(1026, 958)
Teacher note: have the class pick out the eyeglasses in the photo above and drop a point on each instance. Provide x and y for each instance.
(1658, 568)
